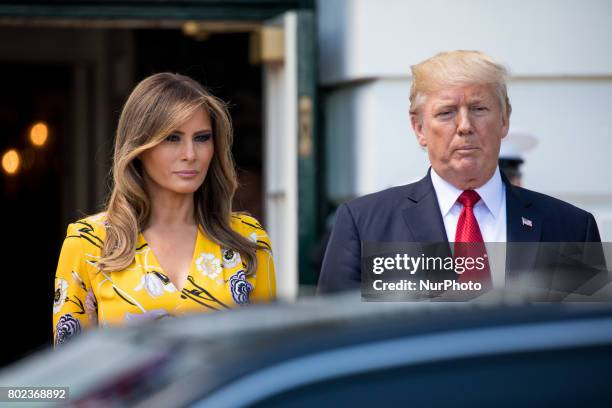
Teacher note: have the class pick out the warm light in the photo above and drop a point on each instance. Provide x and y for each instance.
(39, 134)
(11, 161)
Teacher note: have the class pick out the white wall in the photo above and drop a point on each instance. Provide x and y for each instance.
(382, 38)
(573, 122)
(561, 88)
(369, 142)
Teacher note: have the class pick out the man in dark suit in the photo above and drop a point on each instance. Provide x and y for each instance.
(460, 112)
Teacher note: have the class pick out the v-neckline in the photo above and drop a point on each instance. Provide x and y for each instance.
(161, 268)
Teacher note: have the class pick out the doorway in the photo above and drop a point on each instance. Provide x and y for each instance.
(31, 196)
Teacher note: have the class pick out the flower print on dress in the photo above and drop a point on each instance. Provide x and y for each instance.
(240, 288)
(66, 328)
(209, 265)
(261, 243)
(60, 296)
(154, 285)
(230, 258)
(91, 307)
(78, 280)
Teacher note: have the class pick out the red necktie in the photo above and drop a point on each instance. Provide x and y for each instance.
(469, 242)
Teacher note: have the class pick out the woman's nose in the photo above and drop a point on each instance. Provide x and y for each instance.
(189, 150)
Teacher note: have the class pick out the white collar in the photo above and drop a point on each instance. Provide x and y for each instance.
(491, 193)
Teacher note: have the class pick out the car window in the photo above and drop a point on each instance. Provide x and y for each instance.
(577, 377)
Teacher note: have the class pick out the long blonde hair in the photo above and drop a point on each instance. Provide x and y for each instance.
(157, 106)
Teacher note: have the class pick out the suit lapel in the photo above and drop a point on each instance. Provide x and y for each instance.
(422, 214)
(523, 226)
(424, 221)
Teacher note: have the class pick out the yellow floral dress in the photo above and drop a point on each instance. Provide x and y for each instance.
(86, 296)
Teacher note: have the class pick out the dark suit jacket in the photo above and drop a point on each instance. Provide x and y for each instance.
(411, 213)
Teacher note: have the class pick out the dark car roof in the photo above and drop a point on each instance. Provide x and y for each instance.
(179, 361)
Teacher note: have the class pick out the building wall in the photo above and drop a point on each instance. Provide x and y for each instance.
(381, 38)
(560, 89)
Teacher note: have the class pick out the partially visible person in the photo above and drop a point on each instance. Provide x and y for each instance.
(511, 155)
(168, 242)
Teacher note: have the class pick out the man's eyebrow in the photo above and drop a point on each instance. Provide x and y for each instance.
(444, 105)
(477, 97)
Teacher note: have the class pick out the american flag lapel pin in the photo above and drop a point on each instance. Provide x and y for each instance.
(527, 222)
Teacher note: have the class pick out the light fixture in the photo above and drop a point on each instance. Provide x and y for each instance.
(11, 162)
(39, 134)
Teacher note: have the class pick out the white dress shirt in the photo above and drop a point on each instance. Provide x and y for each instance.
(490, 212)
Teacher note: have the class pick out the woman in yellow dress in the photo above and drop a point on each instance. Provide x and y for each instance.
(168, 242)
